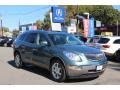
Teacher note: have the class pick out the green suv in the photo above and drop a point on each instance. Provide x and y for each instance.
(61, 53)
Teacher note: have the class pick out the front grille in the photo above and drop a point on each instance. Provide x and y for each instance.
(95, 56)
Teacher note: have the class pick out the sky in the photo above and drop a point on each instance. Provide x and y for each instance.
(11, 15)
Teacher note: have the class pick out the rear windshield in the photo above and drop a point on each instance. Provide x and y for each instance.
(103, 40)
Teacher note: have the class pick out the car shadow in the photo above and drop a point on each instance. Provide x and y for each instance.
(80, 80)
(33, 69)
(45, 73)
(115, 67)
(113, 64)
(112, 59)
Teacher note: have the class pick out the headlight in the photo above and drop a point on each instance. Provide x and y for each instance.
(72, 56)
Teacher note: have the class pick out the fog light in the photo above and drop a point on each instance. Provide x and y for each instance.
(75, 67)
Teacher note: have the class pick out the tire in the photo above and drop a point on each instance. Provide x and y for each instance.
(18, 61)
(57, 71)
(11, 45)
(117, 55)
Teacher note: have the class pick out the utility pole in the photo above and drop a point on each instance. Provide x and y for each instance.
(117, 27)
(1, 24)
(19, 25)
(77, 25)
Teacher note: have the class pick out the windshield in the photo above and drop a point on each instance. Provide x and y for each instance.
(64, 39)
(103, 40)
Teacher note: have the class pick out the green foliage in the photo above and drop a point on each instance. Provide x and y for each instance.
(39, 24)
(15, 32)
(105, 13)
(5, 29)
(46, 23)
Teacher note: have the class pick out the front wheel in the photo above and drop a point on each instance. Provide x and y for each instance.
(18, 61)
(5, 45)
(57, 71)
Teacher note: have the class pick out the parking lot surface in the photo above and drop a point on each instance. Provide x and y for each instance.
(31, 75)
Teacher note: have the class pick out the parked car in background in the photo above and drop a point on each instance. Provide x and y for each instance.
(93, 42)
(3, 40)
(82, 38)
(9, 43)
(110, 45)
(61, 53)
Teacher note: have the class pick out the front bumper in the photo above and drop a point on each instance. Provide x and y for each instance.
(84, 71)
(108, 52)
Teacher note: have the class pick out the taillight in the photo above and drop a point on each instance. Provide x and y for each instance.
(106, 46)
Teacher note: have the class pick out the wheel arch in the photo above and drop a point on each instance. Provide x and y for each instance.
(57, 58)
(117, 51)
(16, 51)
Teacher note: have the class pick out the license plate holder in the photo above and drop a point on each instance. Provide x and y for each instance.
(100, 67)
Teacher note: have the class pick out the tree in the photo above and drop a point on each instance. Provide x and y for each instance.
(5, 29)
(105, 13)
(15, 32)
(46, 23)
(39, 24)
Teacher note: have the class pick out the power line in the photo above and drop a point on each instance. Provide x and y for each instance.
(26, 13)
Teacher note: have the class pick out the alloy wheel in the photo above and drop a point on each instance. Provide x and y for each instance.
(56, 70)
(18, 61)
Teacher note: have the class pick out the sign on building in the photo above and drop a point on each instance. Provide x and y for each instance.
(91, 28)
(55, 26)
(73, 22)
(71, 29)
(58, 14)
(98, 23)
(86, 27)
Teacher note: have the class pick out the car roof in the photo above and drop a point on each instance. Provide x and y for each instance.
(46, 32)
(112, 37)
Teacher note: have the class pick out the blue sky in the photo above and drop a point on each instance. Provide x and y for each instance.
(26, 14)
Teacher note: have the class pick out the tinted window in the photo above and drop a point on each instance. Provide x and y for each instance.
(117, 41)
(42, 40)
(82, 38)
(65, 39)
(22, 36)
(31, 38)
(103, 40)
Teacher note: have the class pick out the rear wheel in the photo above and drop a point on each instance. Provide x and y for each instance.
(18, 61)
(57, 71)
(11, 45)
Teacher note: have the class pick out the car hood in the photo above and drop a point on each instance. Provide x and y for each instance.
(79, 48)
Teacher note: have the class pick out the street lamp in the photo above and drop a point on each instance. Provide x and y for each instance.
(88, 15)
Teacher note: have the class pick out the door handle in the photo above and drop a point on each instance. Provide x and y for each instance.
(22, 46)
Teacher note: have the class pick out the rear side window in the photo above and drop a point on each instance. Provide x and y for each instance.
(31, 38)
(104, 40)
(117, 41)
